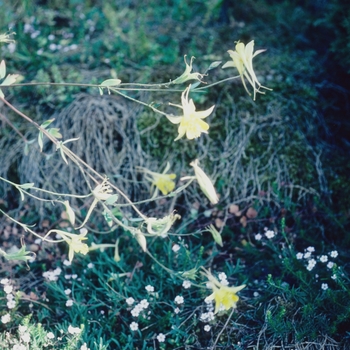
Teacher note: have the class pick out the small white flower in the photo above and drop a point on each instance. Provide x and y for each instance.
(270, 234)
(74, 330)
(8, 289)
(258, 237)
(67, 277)
(149, 288)
(310, 249)
(334, 277)
(186, 284)
(176, 310)
(207, 328)
(330, 264)
(179, 300)
(67, 263)
(84, 347)
(130, 301)
(161, 337)
(57, 271)
(175, 248)
(22, 329)
(69, 303)
(9, 297)
(144, 304)
(324, 258)
(11, 304)
(311, 264)
(256, 294)
(90, 265)
(299, 256)
(74, 277)
(222, 276)
(5, 281)
(333, 254)
(136, 311)
(210, 316)
(50, 335)
(67, 291)
(25, 337)
(324, 286)
(19, 347)
(134, 326)
(307, 255)
(6, 318)
(224, 282)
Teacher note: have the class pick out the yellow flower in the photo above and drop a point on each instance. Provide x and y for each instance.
(205, 183)
(224, 296)
(160, 227)
(162, 181)
(191, 122)
(242, 59)
(6, 38)
(187, 75)
(75, 243)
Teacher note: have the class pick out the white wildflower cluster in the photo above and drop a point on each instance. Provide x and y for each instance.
(311, 259)
(209, 315)
(52, 275)
(223, 278)
(138, 308)
(8, 289)
(74, 330)
(268, 234)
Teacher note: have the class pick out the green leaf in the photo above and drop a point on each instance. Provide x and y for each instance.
(112, 199)
(2, 69)
(26, 149)
(63, 155)
(46, 123)
(55, 132)
(10, 79)
(214, 65)
(21, 193)
(27, 185)
(40, 140)
(111, 82)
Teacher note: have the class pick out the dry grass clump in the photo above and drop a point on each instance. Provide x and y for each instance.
(108, 142)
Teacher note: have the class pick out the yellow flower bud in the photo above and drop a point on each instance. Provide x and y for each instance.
(205, 183)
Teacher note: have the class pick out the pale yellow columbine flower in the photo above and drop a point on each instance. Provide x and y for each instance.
(160, 227)
(205, 183)
(225, 297)
(74, 242)
(162, 181)
(191, 122)
(242, 59)
(187, 75)
(101, 192)
(6, 38)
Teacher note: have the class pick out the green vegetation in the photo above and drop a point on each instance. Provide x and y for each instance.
(280, 166)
